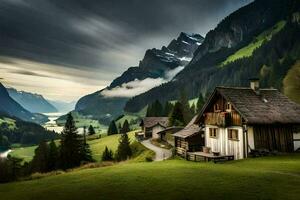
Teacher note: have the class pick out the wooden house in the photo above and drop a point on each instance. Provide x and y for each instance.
(151, 126)
(238, 120)
(189, 139)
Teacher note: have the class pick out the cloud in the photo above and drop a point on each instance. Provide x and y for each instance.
(97, 38)
(136, 87)
(133, 88)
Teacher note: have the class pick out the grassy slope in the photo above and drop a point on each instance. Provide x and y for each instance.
(257, 42)
(260, 178)
(82, 121)
(11, 122)
(191, 101)
(291, 83)
(97, 147)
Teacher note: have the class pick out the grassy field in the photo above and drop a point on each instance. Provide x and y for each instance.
(10, 122)
(259, 178)
(97, 147)
(82, 121)
(257, 42)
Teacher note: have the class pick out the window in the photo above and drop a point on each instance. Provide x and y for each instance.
(216, 107)
(233, 134)
(213, 132)
(228, 106)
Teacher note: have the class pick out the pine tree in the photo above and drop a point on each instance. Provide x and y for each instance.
(53, 156)
(112, 129)
(124, 151)
(168, 109)
(149, 112)
(107, 155)
(40, 161)
(200, 103)
(193, 109)
(157, 109)
(176, 118)
(187, 115)
(91, 130)
(125, 128)
(70, 151)
(86, 154)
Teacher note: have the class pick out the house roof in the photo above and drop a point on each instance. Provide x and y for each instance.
(189, 130)
(149, 122)
(267, 106)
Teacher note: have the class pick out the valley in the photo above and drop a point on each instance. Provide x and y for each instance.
(150, 100)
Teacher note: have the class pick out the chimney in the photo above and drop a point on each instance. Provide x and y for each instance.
(254, 84)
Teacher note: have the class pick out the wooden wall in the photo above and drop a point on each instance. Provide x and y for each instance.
(274, 137)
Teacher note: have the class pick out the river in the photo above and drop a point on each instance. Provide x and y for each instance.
(51, 125)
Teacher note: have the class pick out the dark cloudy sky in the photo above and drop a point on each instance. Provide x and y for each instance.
(67, 48)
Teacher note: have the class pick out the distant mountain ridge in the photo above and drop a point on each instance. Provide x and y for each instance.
(156, 64)
(34, 103)
(9, 106)
(63, 107)
(270, 60)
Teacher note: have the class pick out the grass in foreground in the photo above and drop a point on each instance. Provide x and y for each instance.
(260, 178)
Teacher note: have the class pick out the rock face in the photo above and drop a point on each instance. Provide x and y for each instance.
(241, 25)
(155, 64)
(12, 108)
(34, 103)
(236, 31)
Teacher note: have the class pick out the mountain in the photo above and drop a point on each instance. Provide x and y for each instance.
(157, 62)
(260, 39)
(14, 130)
(11, 107)
(63, 107)
(157, 66)
(34, 103)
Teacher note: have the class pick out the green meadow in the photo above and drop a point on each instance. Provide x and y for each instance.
(97, 147)
(256, 178)
(257, 42)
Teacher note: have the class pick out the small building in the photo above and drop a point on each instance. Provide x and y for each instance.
(151, 126)
(189, 139)
(237, 120)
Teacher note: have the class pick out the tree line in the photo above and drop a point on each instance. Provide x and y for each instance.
(71, 151)
(179, 112)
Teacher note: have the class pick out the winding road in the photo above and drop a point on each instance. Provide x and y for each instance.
(160, 153)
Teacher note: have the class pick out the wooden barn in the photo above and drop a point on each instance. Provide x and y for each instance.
(189, 139)
(151, 126)
(238, 120)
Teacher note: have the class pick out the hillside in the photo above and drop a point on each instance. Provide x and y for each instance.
(34, 103)
(97, 147)
(11, 107)
(157, 66)
(258, 40)
(14, 130)
(259, 178)
(61, 106)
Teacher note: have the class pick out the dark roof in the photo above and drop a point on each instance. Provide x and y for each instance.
(149, 122)
(189, 130)
(171, 129)
(267, 106)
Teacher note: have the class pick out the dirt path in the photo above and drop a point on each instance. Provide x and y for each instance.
(160, 153)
